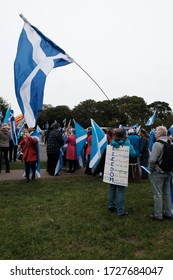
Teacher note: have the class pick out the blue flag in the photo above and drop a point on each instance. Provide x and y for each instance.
(99, 143)
(36, 57)
(35, 134)
(7, 115)
(14, 130)
(151, 140)
(59, 164)
(81, 136)
(171, 129)
(151, 119)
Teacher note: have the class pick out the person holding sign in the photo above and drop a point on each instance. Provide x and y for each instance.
(119, 140)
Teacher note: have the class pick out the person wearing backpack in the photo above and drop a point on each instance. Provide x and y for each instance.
(160, 176)
(119, 139)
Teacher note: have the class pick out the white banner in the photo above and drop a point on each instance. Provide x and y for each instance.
(116, 166)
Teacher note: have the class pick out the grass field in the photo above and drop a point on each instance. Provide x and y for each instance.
(67, 218)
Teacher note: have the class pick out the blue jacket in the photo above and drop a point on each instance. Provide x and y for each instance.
(136, 142)
(123, 142)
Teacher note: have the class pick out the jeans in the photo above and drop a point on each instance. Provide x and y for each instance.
(119, 205)
(161, 187)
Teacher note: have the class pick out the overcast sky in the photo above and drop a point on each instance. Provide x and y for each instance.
(126, 46)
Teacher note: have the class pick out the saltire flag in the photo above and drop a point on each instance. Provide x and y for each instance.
(81, 136)
(171, 129)
(36, 56)
(59, 163)
(35, 134)
(151, 119)
(14, 129)
(99, 143)
(151, 140)
(61, 154)
(138, 129)
(7, 115)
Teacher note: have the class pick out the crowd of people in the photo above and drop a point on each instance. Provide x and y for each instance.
(141, 161)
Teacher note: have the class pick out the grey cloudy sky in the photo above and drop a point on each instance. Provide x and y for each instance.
(125, 45)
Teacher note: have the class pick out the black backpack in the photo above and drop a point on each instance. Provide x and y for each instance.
(167, 158)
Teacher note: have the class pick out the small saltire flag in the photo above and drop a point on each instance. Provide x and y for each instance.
(152, 139)
(7, 115)
(99, 143)
(171, 129)
(36, 56)
(35, 134)
(14, 130)
(151, 119)
(60, 162)
(81, 136)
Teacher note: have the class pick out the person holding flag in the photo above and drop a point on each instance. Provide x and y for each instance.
(30, 152)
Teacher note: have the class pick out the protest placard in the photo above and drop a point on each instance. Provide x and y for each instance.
(116, 166)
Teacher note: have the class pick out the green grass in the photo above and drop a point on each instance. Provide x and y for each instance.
(67, 218)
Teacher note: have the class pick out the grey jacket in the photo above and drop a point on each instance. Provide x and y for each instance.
(156, 155)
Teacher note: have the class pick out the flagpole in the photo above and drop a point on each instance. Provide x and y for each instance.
(92, 79)
(24, 19)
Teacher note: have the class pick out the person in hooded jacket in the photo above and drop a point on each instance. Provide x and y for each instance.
(119, 139)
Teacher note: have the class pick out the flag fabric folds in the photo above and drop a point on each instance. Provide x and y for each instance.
(36, 56)
(151, 119)
(99, 143)
(81, 136)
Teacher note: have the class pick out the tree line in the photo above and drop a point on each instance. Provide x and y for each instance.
(126, 110)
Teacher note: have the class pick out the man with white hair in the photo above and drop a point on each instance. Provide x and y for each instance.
(160, 179)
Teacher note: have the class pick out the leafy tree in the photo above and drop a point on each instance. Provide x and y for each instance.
(164, 112)
(49, 114)
(84, 111)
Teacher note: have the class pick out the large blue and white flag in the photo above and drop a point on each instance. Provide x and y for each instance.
(14, 129)
(36, 56)
(151, 119)
(99, 143)
(7, 115)
(81, 136)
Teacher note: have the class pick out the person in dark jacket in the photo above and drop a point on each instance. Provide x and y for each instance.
(54, 143)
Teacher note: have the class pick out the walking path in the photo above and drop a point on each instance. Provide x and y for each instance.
(17, 174)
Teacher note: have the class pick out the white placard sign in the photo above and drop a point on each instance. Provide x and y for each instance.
(116, 168)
